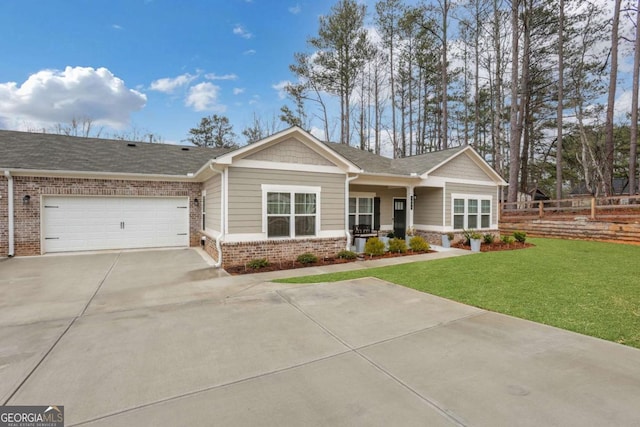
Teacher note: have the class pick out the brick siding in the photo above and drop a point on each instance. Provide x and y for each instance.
(27, 216)
(275, 251)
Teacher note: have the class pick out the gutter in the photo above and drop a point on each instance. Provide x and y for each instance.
(220, 238)
(10, 214)
(347, 232)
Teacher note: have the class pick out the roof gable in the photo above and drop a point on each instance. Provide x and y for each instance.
(303, 143)
(465, 163)
(290, 151)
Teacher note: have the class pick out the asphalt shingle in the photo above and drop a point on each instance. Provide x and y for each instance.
(40, 151)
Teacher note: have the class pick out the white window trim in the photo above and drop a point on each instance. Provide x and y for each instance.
(466, 198)
(357, 213)
(292, 190)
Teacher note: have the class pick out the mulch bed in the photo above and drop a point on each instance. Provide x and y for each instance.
(289, 265)
(495, 246)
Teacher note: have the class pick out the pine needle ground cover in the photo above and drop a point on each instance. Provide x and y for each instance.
(588, 287)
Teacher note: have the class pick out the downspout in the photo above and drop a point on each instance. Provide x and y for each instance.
(220, 238)
(346, 209)
(10, 214)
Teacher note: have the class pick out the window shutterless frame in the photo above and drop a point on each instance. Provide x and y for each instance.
(290, 211)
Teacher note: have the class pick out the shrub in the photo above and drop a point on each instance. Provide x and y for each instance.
(450, 236)
(520, 236)
(307, 258)
(507, 239)
(397, 245)
(418, 244)
(374, 246)
(344, 254)
(391, 235)
(257, 263)
(488, 238)
(470, 234)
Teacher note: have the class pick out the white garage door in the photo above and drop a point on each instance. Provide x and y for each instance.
(95, 223)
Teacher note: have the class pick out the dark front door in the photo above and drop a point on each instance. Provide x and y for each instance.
(399, 217)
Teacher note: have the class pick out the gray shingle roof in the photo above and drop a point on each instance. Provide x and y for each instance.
(40, 151)
(374, 163)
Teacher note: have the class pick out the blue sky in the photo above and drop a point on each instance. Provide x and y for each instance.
(158, 65)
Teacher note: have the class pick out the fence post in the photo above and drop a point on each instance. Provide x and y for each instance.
(540, 209)
(593, 208)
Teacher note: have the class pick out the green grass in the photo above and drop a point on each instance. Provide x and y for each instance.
(588, 287)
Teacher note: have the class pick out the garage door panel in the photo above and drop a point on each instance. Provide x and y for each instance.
(95, 223)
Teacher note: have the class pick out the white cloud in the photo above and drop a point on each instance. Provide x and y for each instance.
(214, 76)
(169, 84)
(117, 27)
(204, 96)
(295, 9)
(255, 99)
(54, 96)
(280, 87)
(249, 52)
(622, 107)
(238, 90)
(239, 30)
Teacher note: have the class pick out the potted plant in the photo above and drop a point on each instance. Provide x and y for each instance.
(475, 240)
(447, 239)
(385, 239)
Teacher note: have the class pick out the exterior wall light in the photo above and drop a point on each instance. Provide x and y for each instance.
(26, 199)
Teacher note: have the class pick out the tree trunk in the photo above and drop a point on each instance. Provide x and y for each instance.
(445, 78)
(514, 143)
(633, 149)
(560, 107)
(613, 76)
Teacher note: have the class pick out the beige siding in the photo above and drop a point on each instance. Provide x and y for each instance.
(462, 167)
(469, 189)
(245, 196)
(213, 189)
(290, 151)
(386, 199)
(428, 207)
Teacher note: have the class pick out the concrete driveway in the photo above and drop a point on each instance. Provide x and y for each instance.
(160, 338)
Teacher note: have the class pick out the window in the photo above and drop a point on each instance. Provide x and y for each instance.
(471, 212)
(485, 221)
(278, 214)
(458, 214)
(291, 211)
(305, 214)
(360, 211)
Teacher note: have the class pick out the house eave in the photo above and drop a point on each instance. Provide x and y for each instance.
(190, 177)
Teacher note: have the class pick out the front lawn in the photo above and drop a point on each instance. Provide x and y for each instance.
(588, 287)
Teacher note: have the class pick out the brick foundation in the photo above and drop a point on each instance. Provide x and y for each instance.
(275, 251)
(27, 216)
(435, 237)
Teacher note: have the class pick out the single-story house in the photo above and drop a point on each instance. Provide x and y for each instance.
(279, 197)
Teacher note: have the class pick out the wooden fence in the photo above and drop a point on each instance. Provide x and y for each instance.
(601, 218)
(618, 209)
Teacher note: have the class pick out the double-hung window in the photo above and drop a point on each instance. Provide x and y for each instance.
(360, 211)
(471, 212)
(290, 211)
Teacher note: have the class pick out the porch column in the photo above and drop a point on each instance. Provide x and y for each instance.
(410, 206)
